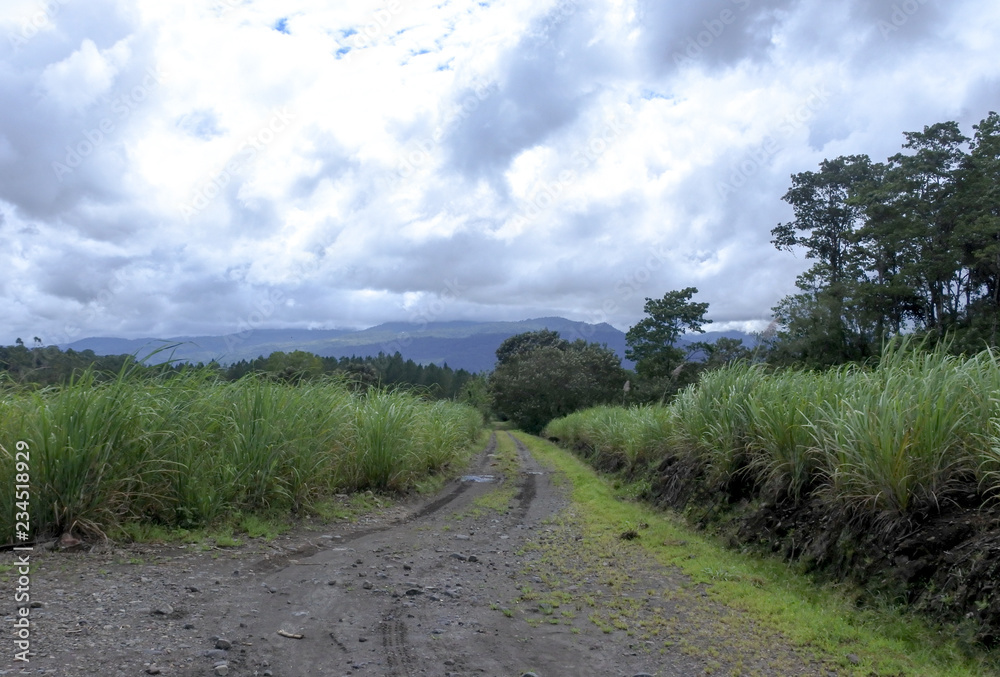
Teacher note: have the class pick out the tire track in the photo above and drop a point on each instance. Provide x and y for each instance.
(396, 647)
(528, 487)
(273, 564)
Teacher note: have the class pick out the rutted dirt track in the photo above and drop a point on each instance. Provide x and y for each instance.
(460, 585)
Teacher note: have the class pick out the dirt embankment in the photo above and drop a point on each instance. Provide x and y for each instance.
(494, 577)
(945, 563)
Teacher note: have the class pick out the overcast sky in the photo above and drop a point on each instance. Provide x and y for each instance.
(207, 166)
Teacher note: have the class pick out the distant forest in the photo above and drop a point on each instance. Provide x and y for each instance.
(45, 366)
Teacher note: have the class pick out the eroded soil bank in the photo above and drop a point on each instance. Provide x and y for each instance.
(496, 578)
(945, 563)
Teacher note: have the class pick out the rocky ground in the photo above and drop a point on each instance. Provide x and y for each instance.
(494, 577)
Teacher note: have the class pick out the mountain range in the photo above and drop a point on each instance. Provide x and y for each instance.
(461, 344)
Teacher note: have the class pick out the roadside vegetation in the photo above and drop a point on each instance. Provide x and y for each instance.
(918, 430)
(821, 621)
(884, 478)
(188, 449)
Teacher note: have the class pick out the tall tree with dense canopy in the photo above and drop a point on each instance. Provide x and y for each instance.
(822, 319)
(652, 342)
(909, 246)
(978, 231)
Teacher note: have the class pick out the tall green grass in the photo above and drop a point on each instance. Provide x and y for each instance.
(186, 450)
(914, 430)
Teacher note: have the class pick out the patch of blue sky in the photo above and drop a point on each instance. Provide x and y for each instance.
(652, 94)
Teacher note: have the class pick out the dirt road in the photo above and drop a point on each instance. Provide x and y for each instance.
(493, 577)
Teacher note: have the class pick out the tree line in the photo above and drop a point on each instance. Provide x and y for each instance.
(906, 246)
(49, 366)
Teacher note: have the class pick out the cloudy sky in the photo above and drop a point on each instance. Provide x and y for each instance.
(206, 166)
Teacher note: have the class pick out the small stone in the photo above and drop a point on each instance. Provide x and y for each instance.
(459, 556)
(529, 674)
(153, 669)
(37, 605)
(412, 592)
(223, 644)
(367, 585)
(222, 669)
(215, 653)
(473, 558)
(362, 639)
(853, 657)
(68, 541)
(189, 626)
(163, 610)
(642, 674)
(462, 537)
(407, 567)
(437, 631)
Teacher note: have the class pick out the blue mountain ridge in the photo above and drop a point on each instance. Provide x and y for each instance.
(465, 345)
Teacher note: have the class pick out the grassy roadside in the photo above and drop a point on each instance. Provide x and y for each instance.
(190, 451)
(819, 620)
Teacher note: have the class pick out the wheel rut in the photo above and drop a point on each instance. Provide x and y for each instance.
(396, 648)
(273, 564)
(528, 486)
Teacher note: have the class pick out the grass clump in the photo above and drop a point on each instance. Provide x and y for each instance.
(187, 450)
(906, 435)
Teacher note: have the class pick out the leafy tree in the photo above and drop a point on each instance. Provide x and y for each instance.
(978, 231)
(476, 394)
(724, 351)
(295, 366)
(918, 192)
(652, 342)
(527, 342)
(909, 246)
(822, 320)
(554, 378)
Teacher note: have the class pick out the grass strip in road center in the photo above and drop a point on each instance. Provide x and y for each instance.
(867, 643)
